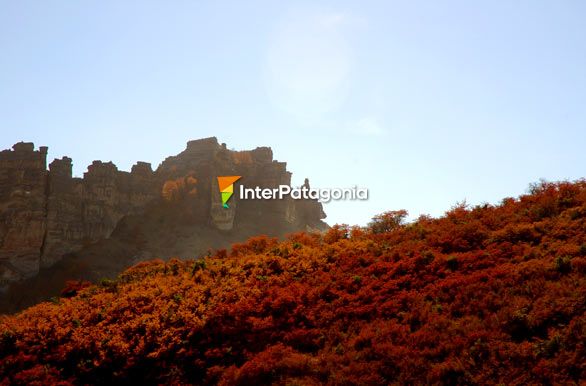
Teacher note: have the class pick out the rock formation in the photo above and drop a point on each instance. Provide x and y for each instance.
(48, 214)
(23, 210)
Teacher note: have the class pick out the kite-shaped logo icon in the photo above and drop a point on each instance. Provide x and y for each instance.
(226, 185)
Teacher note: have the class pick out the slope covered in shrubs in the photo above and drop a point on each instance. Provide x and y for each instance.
(490, 294)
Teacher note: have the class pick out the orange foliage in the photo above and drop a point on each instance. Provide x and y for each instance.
(387, 221)
(483, 295)
(174, 190)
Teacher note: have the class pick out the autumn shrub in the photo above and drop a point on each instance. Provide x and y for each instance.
(483, 295)
(387, 221)
(174, 190)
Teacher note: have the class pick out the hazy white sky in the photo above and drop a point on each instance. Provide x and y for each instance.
(426, 103)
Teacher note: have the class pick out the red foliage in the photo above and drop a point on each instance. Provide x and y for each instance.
(491, 294)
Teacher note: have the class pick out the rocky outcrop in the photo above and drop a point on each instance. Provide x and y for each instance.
(23, 211)
(48, 214)
(83, 210)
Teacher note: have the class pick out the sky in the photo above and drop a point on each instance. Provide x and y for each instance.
(425, 103)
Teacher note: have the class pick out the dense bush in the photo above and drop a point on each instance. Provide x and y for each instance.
(490, 294)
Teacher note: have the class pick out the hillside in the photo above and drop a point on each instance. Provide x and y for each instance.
(489, 294)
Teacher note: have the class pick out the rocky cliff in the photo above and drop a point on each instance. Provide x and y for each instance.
(23, 210)
(46, 215)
